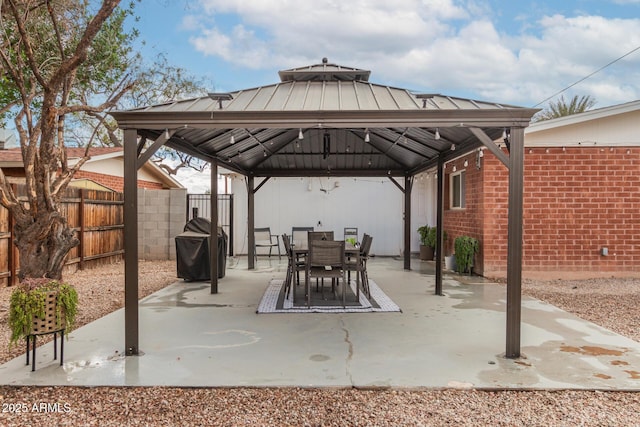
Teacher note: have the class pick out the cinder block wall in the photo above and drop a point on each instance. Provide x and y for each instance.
(161, 216)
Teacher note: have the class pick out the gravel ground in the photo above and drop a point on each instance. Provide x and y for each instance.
(611, 303)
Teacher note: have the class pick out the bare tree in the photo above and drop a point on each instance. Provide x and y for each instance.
(51, 51)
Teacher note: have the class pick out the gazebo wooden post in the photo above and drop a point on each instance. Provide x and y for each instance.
(213, 239)
(439, 225)
(251, 250)
(514, 243)
(131, 242)
(408, 185)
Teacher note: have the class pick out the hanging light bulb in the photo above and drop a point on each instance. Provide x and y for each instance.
(455, 168)
(504, 133)
(437, 134)
(481, 153)
(466, 163)
(300, 134)
(264, 153)
(453, 147)
(166, 134)
(366, 136)
(232, 140)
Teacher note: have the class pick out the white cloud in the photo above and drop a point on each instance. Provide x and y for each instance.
(430, 45)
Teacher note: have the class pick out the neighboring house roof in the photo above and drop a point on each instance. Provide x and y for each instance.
(614, 125)
(12, 158)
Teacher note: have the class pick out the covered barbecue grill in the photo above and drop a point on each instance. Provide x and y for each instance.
(192, 251)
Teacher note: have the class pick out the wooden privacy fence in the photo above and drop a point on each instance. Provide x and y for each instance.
(97, 217)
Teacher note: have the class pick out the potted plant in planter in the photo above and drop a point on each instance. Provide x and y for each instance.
(426, 250)
(40, 306)
(432, 238)
(465, 249)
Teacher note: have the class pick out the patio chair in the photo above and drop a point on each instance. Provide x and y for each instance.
(294, 267)
(264, 239)
(299, 237)
(365, 250)
(320, 235)
(326, 260)
(351, 232)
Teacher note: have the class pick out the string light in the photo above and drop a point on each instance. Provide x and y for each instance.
(300, 134)
(437, 134)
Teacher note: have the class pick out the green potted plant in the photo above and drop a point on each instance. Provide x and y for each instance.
(432, 238)
(465, 249)
(426, 250)
(40, 305)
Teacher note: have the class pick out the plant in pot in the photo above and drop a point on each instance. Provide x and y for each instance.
(426, 250)
(40, 306)
(432, 238)
(465, 249)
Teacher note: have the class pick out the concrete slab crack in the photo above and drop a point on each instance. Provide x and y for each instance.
(347, 340)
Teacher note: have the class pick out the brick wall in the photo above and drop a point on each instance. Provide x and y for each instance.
(576, 201)
(116, 183)
(470, 220)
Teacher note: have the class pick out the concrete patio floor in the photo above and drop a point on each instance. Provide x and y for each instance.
(191, 338)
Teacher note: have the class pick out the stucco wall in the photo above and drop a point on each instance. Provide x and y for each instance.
(374, 205)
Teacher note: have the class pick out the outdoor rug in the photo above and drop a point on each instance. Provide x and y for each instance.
(273, 300)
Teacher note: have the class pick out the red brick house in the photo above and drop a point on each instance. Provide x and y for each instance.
(104, 171)
(581, 198)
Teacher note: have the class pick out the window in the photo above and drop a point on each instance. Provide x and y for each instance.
(457, 190)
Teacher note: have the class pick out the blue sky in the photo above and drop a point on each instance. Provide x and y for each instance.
(518, 52)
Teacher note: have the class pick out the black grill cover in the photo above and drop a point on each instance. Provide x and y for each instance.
(192, 251)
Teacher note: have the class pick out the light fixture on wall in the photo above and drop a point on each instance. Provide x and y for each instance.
(326, 148)
(300, 134)
(437, 134)
(366, 135)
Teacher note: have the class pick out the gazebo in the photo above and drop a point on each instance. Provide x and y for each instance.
(327, 120)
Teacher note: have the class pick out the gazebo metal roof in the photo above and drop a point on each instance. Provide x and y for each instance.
(327, 120)
(371, 129)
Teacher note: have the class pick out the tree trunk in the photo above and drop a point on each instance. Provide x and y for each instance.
(43, 245)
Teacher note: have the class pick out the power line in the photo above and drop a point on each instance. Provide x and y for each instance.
(585, 78)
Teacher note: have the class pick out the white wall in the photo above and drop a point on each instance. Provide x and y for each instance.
(374, 205)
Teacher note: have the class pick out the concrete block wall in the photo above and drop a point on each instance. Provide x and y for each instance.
(161, 216)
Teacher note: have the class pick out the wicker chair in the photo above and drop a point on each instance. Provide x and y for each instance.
(264, 239)
(326, 261)
(294, 266)
(359, 264)
(319, 235)
(299, 237)
(351, 232)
